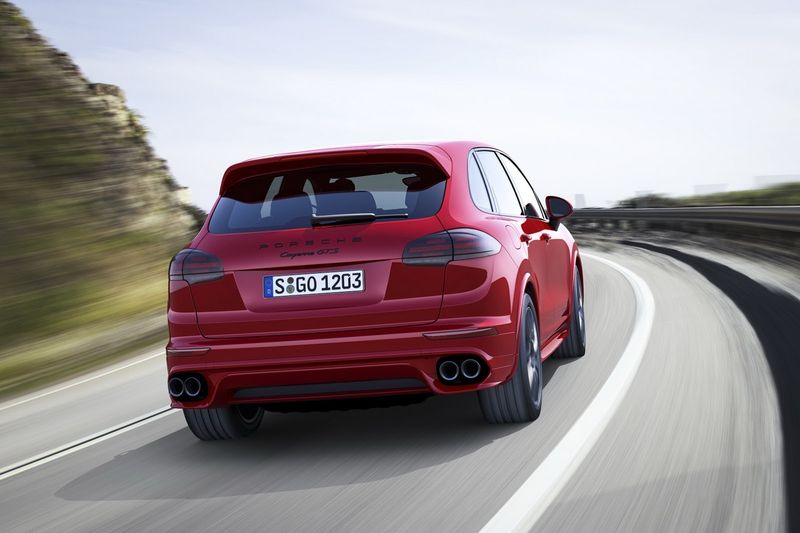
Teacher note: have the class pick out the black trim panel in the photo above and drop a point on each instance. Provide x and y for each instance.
(328, 388)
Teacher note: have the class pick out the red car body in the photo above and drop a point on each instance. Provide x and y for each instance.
(388, 338)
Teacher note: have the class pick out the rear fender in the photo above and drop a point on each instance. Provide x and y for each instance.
(526, 283)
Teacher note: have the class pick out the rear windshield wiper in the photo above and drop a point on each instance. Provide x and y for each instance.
(351, 218)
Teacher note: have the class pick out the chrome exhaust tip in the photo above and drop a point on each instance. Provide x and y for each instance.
(448, 371)
(470, 368)
(176, 387)
(192, 386)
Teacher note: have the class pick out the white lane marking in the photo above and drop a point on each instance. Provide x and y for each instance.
(81, 381)
(527, 505)
(80, 444)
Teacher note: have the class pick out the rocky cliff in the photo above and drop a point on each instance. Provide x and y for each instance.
(89, 215)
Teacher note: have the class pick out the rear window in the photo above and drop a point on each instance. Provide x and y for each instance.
(288, 200)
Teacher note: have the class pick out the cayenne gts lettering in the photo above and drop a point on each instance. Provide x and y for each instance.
(322, 251)
(292, 255)
(466, 284)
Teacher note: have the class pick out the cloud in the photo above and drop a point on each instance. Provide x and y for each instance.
(602, 100)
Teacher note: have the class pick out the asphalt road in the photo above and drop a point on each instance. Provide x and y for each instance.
(695, 445)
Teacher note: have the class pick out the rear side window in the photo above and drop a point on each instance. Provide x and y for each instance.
(507, 201)
(288, 200)
(522, 185)
(477, 187)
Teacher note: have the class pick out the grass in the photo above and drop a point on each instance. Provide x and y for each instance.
(46, 363)
(118, 322)
(783, 194)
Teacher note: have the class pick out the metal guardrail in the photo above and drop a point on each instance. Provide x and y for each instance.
(774, 218)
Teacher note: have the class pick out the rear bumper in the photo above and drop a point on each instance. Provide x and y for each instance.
(375, 364)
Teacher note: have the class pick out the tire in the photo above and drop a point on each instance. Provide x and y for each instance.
(519, 400)
(575, 343)
(224, 423)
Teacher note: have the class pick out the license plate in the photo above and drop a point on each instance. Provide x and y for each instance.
(316, 283)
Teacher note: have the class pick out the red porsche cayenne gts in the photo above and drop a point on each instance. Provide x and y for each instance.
(391, 271)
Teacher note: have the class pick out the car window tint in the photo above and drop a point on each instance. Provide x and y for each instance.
(272, 191)
(477, 187)
(522, 185)
(288, 201)
(308, 188)
(388, 189)
(507, 201)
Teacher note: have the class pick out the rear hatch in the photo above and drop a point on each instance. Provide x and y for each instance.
(321, 249)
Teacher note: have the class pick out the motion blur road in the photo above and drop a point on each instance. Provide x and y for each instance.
(695, 445)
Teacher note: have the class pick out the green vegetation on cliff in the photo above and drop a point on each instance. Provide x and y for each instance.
(783, 194)
(89, 216)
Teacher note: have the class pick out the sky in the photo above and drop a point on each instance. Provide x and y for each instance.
(604, 99)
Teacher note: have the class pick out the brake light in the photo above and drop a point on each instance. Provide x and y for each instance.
(438, 249)
(195, 266)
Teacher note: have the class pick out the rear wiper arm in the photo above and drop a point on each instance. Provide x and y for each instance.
(349, 218)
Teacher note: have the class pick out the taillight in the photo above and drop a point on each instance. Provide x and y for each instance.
(438, 249)
(195, 266)
(471, 243)
(434, 249)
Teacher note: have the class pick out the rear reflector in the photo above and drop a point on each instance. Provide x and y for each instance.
(438, 249)
(460, 334)
(195, 266)
(187, 351)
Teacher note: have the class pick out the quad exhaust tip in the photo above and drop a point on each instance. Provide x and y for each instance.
(187, 387)
(176, 387)
(192, 387)
(470, 368)
(460, 370)
(448, 370)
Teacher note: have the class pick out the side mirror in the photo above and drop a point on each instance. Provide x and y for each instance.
(557, 209)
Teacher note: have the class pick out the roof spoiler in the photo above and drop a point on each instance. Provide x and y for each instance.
(296, 161)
